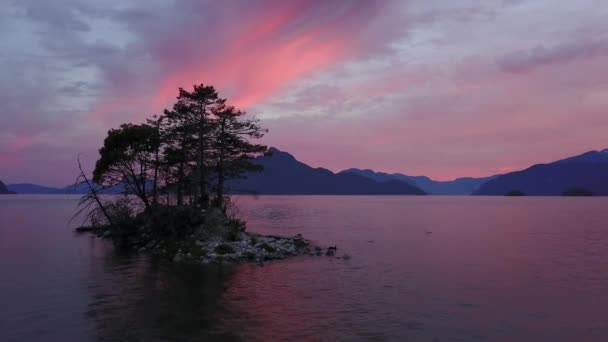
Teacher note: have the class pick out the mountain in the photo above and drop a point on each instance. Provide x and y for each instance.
(26, 188)
(284, 175)
(4, 190)
(588, 171)
(459, 186)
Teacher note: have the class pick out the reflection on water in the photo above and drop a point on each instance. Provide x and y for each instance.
(147, 300)
(494, 269)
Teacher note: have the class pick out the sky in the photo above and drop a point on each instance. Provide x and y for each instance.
(424, 87)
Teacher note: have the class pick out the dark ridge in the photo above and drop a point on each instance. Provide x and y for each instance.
(284, 175)
(587, 171)
(4, 190)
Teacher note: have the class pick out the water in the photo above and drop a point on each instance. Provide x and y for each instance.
(493, 269)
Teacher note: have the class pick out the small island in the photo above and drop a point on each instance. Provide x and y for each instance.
(578, 192)
(515, 193)
(174, 171)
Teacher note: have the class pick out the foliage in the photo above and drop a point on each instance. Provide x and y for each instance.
(235, 228)
(173, 222)
(174, 169)
(127, 158)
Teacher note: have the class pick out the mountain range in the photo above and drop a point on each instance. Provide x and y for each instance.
(284, 175)
(27, 188)
(587, 172)
(459, 186)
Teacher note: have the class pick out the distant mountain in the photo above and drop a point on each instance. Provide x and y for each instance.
(26, 188)
(588, 171)
(284, 175)
(459, 186)
(4, 190)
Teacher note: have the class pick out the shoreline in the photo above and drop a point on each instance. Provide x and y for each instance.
(245, 248)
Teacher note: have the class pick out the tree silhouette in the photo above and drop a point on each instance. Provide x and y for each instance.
(188, 153)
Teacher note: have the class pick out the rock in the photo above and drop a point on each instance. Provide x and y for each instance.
(346, 257)
(177, 258)
(318, 249)
(106, 234)
(319, 253)
(330, 252)
(250, 255)
(224, 249)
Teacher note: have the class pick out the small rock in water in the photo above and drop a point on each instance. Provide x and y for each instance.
(319, 253)
(330, 252)
(346, 257)
(318, 249)
(85, 229)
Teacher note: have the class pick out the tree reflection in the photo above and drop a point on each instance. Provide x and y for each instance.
(136, 298)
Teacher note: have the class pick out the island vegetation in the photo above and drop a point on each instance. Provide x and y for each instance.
(174, 170)
(578, 191)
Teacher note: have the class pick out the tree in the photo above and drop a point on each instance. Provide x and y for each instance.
(187, 152)
(199, 105)
(232, 148)
(178, 150)
(127, 159)
(156, 122)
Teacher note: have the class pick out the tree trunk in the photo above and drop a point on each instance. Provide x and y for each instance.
(180, 179)
(202, 184)
(156, 167)
(221, 167)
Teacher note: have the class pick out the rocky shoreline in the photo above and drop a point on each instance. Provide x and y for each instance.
(246, 247)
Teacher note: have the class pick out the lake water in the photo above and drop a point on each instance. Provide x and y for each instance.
(493, 269)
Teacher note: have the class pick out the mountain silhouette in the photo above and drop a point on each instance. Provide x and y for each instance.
(4, 190)
(27, 188)
(77, 189)
(459, 186)
(587, 171)
(284, 175)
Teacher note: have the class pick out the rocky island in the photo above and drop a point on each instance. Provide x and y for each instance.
(217, 239)
(175, 170)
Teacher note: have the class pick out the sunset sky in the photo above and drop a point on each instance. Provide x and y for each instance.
(441, 88)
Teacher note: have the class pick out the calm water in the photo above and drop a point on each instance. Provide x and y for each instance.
(493, 269)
